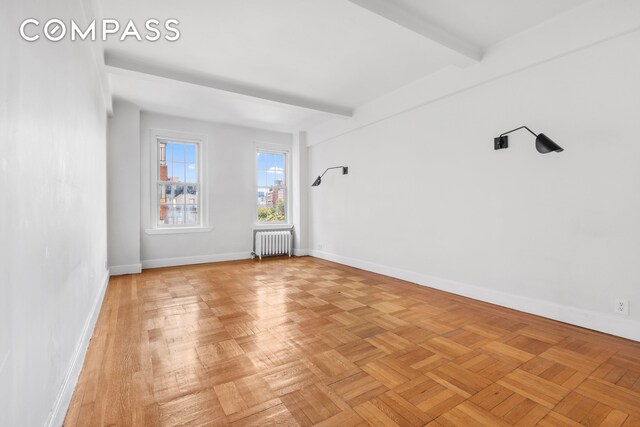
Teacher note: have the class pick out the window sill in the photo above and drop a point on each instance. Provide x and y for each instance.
(178, 230)
(278, 226)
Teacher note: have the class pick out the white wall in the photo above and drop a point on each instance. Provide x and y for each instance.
(428, 199)
(123, 171)
(230, 191)
(53, 218)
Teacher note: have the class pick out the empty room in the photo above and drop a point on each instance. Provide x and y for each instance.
(320, 213)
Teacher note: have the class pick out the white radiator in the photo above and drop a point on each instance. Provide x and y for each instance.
(274, 243)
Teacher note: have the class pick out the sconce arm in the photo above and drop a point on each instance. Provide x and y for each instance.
(521, 127)
(328, 169)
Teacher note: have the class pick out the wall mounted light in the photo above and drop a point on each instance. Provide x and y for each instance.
(544, 144)
(318, 181)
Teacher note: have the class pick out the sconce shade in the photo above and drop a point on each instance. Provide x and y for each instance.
(316, 182)
(544, 144)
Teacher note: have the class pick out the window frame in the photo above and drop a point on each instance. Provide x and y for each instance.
(179, 137)
(273, 149)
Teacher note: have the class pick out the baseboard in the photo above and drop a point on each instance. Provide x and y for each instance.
(300, 252)
(199, 259)
(610, 324)
(63, 399)
(118, 270)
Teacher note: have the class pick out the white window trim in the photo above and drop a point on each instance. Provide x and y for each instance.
(201, 141)
(273, 226)
(178, 230)
(279, 149)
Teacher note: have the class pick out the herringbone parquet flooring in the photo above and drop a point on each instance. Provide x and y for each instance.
(307, 342)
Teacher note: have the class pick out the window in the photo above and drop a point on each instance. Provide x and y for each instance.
(272, 187)
(178, 184)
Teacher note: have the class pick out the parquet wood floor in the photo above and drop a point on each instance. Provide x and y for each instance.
(305, 342)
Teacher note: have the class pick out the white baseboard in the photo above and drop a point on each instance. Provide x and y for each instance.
(118, 270)
(610, 324)
(300, 252)
(199, 259)
(63, 399)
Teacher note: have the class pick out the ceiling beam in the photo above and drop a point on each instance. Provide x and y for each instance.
(468, 52)
(118, 63)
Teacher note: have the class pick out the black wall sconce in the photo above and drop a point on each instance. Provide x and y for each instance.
(544, 144)
(318, 181)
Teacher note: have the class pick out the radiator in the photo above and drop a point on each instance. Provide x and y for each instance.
(274, 243)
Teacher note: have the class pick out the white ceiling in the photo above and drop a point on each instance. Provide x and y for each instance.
(289, 64)
(486, 22)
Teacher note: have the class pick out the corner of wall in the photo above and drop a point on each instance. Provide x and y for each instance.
(123, 187)
(300, 192)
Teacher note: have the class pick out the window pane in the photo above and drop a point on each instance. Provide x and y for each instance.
(278, 174)
(171, 215)
(191, 172)
(178, 195)
(262, 197)
(191, 215)
(170, 169)
(163, 170)
(171, 194)
(272, 204)
(164, 193)
(271, 179)
(169, 152)
(178, 172)
(178, 152)
(191, 196)
(262, 161)
(262, 178)
(178, 214)
(191, 153)
(278, 180)
(163, 214)
(278, 161)
(269, 160)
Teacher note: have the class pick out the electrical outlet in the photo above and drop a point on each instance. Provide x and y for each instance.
(622, 306)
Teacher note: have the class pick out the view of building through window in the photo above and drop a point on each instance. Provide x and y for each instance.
(178, 184)
(272, 187)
